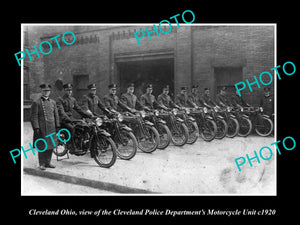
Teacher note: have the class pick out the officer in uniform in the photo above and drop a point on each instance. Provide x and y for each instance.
(165, 100)
(44, 121)
(182, 99)
(91, 102)
(112, 102)
(131, 100)
(207, 100)
(238, 101)
(267, 102)
(149, 100)
(222, 99)
(66, 104)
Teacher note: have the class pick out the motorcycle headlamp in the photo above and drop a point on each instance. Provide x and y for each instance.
(216, 109)
(187, 110)
(228, 109)
(120, 117)
(175, 111)
(156, 112)
(242, 109)
(205, 110)
(143, 114)
(99, 122)
(261, 109)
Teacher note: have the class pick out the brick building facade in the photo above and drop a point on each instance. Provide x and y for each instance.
(209, 56)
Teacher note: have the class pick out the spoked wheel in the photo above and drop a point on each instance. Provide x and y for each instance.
(245, 127)
(164, 136)
(104, 152)
(233, 127)
(209, 130)
(264, 127)
(127, 146)
(193, 132)
(149, 142)
(61, 147)
(180, 134)
(222, 128)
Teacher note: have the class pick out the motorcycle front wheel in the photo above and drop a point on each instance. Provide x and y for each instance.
(180, 134)
(149, 141)
(264, 127)
(209, 130)
(233, 127)
(61, 147)
(104, 152)
(164, 136)
(245, 127)
(127, 146)
(222, 128)
(193, 132)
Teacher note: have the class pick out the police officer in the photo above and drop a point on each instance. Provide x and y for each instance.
(165, 100)
(66, 104)
(130, 100)
(207, 100)
(267, 102)
(91, 102)
(183, 100)
(149, 100)
(112, 102)
(238, 101)
(44, 121)
(222, 99)
(195, 97)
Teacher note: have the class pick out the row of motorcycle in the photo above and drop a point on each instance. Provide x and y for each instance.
(121, 134)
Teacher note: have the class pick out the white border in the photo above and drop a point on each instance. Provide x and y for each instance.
(151, 24)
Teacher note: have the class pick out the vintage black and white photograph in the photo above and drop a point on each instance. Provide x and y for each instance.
(148, 109)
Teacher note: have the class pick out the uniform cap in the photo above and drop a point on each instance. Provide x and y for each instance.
(167, 87)
(46, 87)
(91, 86)
(183, 88)
(68, 86)
(130, 85)
(112, 86)
(195, 86)
(149, 86)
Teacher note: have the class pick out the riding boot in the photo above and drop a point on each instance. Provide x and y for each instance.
(42, 162)
(48, 158)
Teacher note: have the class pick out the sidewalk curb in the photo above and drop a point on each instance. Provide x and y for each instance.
(87, 182)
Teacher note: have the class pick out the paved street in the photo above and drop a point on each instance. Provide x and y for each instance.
(202, 168)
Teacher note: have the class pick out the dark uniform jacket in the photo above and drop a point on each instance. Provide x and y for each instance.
(66, 105)
(166, 101)
(195, 98)
(208, 101)
(131, 100)
(149, 101)
(223, 100)
(44, 115)
(267, 103)
(112, 102)
(238, 100)
(92, 102)
(183, 100)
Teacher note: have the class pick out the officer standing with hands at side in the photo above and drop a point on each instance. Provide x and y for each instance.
(44, 121)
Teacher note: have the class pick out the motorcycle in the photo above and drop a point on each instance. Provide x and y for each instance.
(179, 131)
(122, 135)
(191, 124)
(262, 123)
(222, 127)
(162, 128)
(146, 134)
(244, 122)
(88, 136)
(206, 123)
(232, 122)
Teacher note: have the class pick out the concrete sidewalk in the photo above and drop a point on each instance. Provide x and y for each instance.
(202, 168)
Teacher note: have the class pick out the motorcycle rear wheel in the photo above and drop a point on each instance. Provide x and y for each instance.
(127, 150)
(149, 143)
(105, 152)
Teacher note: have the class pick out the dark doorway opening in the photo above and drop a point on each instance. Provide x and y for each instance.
(158, 72)
(80, 83)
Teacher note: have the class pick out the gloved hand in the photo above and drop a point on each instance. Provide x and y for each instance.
(37, 132)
